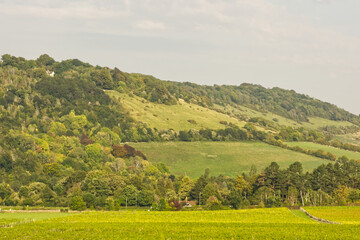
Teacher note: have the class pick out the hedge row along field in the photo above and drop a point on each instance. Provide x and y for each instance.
(279, 223)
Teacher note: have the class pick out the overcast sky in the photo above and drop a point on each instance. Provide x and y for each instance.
(311, 46)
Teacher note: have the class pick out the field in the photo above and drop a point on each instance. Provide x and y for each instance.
(336, 151)
(347, 215)
(227, 158)
(175, 117)
(314, 122)
(7, 219)
(353, 138)
(278, 223)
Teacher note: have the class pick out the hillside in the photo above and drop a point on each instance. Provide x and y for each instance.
(68, 131)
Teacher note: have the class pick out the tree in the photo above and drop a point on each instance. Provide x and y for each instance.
(102, 78)
(77, 203)
(186, 185)
(145, 198)
(129, 195)
(45, 60)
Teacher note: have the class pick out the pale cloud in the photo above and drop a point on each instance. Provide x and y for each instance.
(150, 25)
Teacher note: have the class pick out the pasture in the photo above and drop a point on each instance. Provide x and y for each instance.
(336, 151)
(175, 117)
(278, 223)
(227, 158)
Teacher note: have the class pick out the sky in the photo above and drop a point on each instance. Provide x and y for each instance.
(310, 46)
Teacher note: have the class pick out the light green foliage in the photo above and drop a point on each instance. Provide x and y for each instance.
(57, 129)
(228, 158)
(336, 151)
(175, 117)
(279, 223)
(129, 195)
(74, 123)
(106, 137)
(95, 152)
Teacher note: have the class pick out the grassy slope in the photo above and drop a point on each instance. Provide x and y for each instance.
(353, 138)
(336, 151)
(277, 223)
(314, 122)
(227, 158)
(175, 117)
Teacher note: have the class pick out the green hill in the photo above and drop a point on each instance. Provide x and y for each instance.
(68, 131)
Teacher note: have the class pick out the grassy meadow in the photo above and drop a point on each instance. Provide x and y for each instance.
(336, 151)
(314, 122)
(175, 117)
(227, 158)
(353, 138)
(13, 218)
(273, 223)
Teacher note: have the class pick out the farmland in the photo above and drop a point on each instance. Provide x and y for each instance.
(341, 214)
(7, 219)
(336, 151)
(278, 223)
(227, 158)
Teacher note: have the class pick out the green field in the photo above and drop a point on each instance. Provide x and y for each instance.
(8, 218)
(278, 223)
(227, 158)
(175, 117)
(336, 151)
(346, 214)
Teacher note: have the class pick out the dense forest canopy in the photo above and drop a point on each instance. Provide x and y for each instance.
(62, 141)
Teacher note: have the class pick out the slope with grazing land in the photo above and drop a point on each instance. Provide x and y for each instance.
(180, 116)
(226, 158)
(312, 123)
(336, 151)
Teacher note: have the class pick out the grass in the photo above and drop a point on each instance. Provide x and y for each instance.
(314, 122)
(7, 219)
(336, 151)
(279, 223)
(353, 138)
(227, 158)
(175, 117)
(346, 214)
